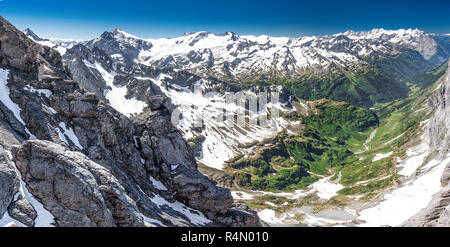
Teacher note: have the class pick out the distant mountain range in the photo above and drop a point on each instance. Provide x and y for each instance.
(362, 68)
(361, 114)
(346, 62)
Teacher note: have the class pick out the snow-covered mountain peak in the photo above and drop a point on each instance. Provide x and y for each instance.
(407, 38)
(61, 45)
(378, 32)
(229, 56)
(28, 32)
(120, 45)
(121, 33)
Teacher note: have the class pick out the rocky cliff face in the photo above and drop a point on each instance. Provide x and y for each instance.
(69, 159)
(437, 212)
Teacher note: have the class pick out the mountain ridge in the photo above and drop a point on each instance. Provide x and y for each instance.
(396, 56)
(128, 72)
(110, 170)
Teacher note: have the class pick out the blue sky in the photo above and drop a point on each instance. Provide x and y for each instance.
(84, 19)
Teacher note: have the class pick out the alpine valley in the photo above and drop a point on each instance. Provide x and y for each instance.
(362, 136)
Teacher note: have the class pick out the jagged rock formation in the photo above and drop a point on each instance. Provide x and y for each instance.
(362, 68)
(439, 129)
(127, 51)
(9, 183)
(89, 165)
(437, 212)
(60, 45)
(82, 73)
(74, 188)
(230, 56)
(129, 90)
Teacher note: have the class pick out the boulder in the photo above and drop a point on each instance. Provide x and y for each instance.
(9, 181)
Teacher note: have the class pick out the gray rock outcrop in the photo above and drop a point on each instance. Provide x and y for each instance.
(23, 211)
(76, 190)
(91, 165)
(9, 183)
(437, 213)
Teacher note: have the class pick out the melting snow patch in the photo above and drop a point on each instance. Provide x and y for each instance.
(240, 195)
(326, 189)
(382, 156)
(4, 96)
(116, 95)
(6, 100)
(271, 204)
(312, 220)
(151, 222)
(269, 216)
(52, 110)
(45, 92)
(195, 217)
(416, 157)
(69, 133)
(44, 218)
(404, 202)
(391, 141)
(289, 195)
(135, 138)
(157, 184)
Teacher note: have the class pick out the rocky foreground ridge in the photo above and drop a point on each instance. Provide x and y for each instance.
(437, 212)
(69, 159)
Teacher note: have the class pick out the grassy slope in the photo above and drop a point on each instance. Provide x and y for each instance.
(331, 142)
(360, 175)
(363, 87)
(295, 161)
(400, 126)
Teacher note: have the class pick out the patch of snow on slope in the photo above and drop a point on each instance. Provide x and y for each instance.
(53, 111)
(4, 96)
(6, 100)
(157, 184)
(61, 50)
(416, 156)
(401, 204)
(382, 156)
(391, 141)
(69, 133)
(326, 189)
(46, 43)
(116, 95)
(196, 217)
(289, 195)
(241, 195)
(151, 222)
(270, 216)
(45, 92)
(313, 220)
(223, 139)
(44, 218)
